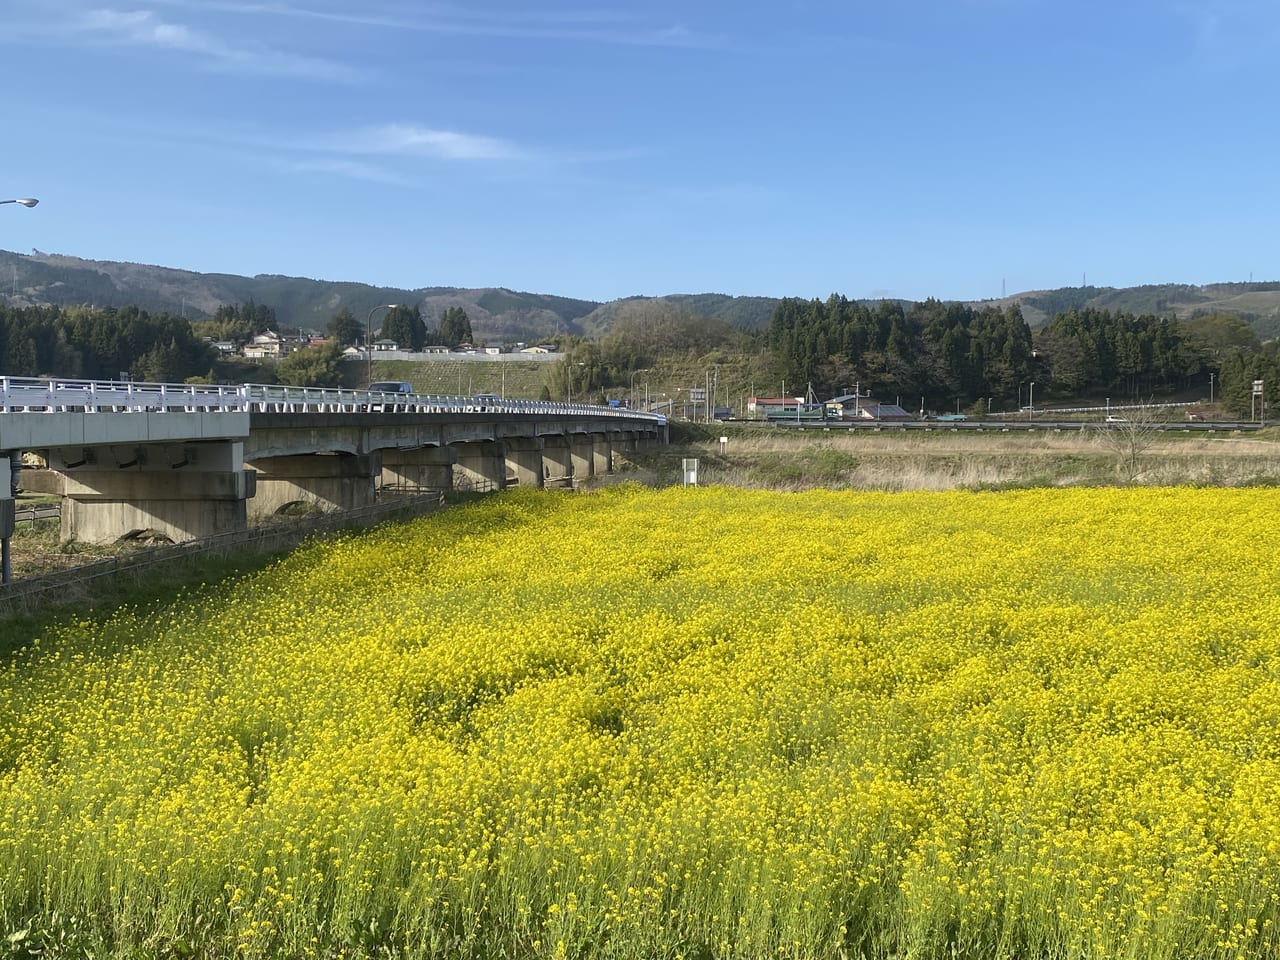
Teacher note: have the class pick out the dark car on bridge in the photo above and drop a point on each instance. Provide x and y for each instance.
(388, 386)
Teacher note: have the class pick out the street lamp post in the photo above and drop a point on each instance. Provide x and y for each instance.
(633, 384)
(1031, 400)
(580, 363)
(6, 564)
(368, 343)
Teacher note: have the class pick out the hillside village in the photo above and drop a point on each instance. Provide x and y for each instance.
(270, 345)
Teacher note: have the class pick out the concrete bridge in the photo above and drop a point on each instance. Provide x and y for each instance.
(190, 460)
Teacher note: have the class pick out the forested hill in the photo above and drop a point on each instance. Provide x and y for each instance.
(53, 279)
(499, 314)
(746, 313)
(1258, 304)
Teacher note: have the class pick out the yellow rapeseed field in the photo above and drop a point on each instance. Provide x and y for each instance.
(691, 723)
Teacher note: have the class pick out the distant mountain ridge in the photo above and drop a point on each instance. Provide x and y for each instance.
(501, 315)
(1258, 304)
(55, 279)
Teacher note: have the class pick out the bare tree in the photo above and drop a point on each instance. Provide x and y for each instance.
(1130, 435)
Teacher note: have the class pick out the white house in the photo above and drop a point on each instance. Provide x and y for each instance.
(269, 346)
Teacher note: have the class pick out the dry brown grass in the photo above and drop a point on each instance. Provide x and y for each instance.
(892, 460)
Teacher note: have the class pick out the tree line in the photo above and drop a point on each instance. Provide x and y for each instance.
(942, 352)
(933, 350)
(406, 326)
(101, 344)
(949, 353)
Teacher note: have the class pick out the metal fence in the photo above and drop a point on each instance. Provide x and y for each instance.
(31, 512)
(81, 584)
(28, 395)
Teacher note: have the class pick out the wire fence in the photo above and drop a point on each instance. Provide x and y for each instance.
(31, 512)
(86, 582)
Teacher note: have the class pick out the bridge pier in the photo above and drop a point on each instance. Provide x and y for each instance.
(480, 465)
(525, 457)
(557, 461)
(7, 507)
(601, 454)
(592, 455)
(582, 458)
(328, 481)
(183, 491)
(426, 468)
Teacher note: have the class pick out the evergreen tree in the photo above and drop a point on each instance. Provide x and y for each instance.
(455, 327)
(404, 325)
(345, 328)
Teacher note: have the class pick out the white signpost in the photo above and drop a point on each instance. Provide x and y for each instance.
(690, 465)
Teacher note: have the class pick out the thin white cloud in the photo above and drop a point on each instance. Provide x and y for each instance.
(346, 169)
(413, 140)
(144, 29)
(584, 26)
(1229, 34)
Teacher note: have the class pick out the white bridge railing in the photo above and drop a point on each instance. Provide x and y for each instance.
(23, 395)
(26, 395)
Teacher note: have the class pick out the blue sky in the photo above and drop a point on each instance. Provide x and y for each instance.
(948, 148)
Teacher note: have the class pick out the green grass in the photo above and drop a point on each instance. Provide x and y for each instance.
(515, 379)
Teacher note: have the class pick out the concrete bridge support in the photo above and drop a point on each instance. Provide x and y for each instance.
(427, 468)
(581, 454)
(329, 481)
(180, 490)
(557, 461)
(7, 507)
(479, 465)
(524, 457)
(601, 454)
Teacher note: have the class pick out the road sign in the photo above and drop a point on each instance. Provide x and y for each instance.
(1257, 388)
(697, 393)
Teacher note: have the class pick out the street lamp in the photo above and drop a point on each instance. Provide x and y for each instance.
(368, 343)
(633, 383)
(6, 566)
(580, 363)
